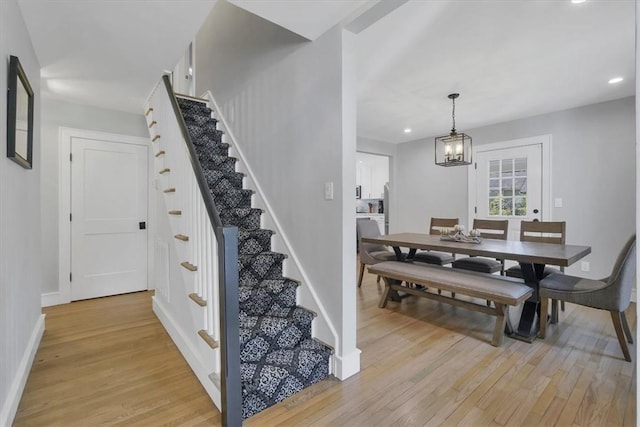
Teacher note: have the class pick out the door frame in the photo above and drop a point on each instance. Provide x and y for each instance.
(545, 140)
(64, 205)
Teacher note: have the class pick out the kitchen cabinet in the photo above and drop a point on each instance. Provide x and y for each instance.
(372, 173)
(363, 179)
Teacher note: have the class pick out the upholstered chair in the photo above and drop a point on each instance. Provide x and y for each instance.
(371, 253)
(612, 293)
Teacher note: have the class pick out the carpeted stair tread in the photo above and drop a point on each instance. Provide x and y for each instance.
(254, 241)
(207, 135)
(243, 218)
(273, 298)
(194, 108)
(281, 374)
(260, 266)
(192, 103)
(232, 198)
(274, 301)
(260, 335)
(205, 149)
(213, 148)
(196, 119)
(222, 163)
(221, 181)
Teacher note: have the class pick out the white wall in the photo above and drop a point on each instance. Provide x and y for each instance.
(424, 190)
(368, 145)
(593, 171)
(21, 323)
(56, 114)
(290, 104)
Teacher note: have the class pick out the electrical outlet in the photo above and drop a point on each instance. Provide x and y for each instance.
(557, 202)
(585, 266)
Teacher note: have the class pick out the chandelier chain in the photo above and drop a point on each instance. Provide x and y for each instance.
(453, 115)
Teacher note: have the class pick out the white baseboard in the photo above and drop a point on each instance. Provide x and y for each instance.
(189, 353)
(347, 365)
(53, 298)
(10, 406)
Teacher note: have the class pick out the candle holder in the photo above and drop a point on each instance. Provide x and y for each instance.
(456, 234)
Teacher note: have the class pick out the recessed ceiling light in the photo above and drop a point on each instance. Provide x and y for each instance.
(577, 1)
(407, 130)
(615, 80)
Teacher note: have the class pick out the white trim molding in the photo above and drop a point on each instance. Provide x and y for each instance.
(10, 406)
(52, 298)
(63, 296)
(346, 365)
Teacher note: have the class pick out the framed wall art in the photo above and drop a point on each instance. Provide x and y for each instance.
(19, 116)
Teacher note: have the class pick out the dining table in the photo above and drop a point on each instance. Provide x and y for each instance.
(532, 257)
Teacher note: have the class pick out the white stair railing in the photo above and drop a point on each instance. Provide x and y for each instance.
(208, 250)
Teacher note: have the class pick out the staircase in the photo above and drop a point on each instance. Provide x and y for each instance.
(278, 355)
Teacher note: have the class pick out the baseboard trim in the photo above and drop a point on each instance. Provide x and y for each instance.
(10, 406)
(347, 365)
(53, 298)
(189, 353)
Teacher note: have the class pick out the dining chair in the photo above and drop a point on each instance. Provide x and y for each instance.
(489, 229)
(370, 253)
(436, 226)
(543, 232)
(612, 293)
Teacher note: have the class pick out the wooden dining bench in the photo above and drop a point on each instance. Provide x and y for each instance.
(502, 291)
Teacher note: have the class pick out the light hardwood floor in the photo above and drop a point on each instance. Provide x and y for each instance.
(108, 361)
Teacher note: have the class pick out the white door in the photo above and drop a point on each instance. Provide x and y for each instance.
(109, 216)
(508, 185)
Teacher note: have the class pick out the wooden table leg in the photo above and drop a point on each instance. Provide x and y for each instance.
(528, 325)
(386, 293)
(502, 313)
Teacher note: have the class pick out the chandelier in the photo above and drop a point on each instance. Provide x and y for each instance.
(453, 149)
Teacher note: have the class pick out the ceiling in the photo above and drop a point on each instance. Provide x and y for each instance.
(109, 53)
(507, 59)
(307, 18)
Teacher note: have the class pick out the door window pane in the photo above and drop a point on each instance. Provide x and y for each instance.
(520, 206)
(520, 188)
(507, 203)
(520, 166)
(494, 168)
(508, 187)
(494, 206)
(507, 168)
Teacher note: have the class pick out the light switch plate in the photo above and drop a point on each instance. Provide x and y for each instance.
(328, 190)
(557, 202)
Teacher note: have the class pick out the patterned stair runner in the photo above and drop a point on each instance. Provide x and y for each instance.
(278, 355)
